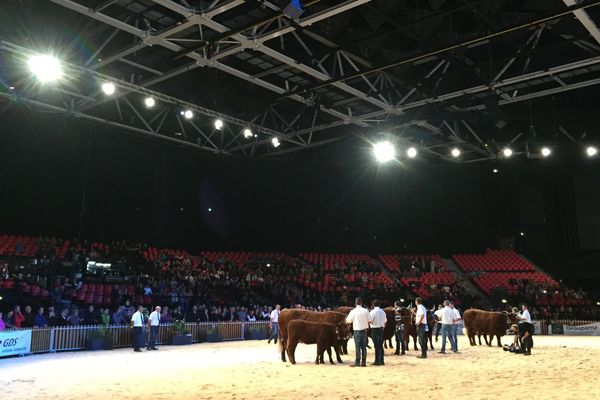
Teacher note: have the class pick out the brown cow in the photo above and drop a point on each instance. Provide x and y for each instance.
(288, 315)
(479, 322)
(323, 334)
(388, 332)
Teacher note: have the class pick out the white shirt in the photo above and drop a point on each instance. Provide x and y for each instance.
(378, 317)
(438, 313)
(526, 317)
(359, 317)
(447, 316)
(137, 319)
(154, 318)
(275, 316)
(422, 311)
(457, 316)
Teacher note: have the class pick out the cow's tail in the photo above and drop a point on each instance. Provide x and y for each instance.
(281, 345)
(465, 331)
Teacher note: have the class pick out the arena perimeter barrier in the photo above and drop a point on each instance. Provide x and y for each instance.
(44, 340)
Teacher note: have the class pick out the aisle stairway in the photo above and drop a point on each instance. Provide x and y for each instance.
(471, 287)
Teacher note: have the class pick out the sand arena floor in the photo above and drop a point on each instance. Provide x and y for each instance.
(560, 368)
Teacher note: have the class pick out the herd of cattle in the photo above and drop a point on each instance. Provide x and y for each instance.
(329, 329)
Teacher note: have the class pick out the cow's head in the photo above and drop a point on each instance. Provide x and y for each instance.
(510, 318)
(342, 332)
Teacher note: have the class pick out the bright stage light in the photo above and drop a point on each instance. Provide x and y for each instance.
(275, 142)
(411, 152)
(247, 133)
(188, 114)
(108, 88)
(546, 151)
(504, 301)
(455, 152)
(384, 151)
(522, 233)
(218, 124)
(507, 152)
(45, 68)
(591, 151)
(149, 102)
(495, 171)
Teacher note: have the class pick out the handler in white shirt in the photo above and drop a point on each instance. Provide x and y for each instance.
(422, 328)
(137, 321)
(525, 315)
(379, 320)
(274, 318)
(360, 319)
(153, 323)
(447, 324)
(457, 319)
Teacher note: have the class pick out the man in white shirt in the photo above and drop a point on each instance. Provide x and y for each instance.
(137, 321)
(274, 323)
(378, 321)
(421, 324)
(457, 319)
(447, 321)
(153, 323)
(360, 318)
(525, 315)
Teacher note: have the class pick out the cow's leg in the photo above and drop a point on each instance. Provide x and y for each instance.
(406, 341)
(430, 334)
(337, 353)
(329, 354)
(489, 343)
(499, 342)
(320, 351)
(282, 347)
(415, 343)
(472, 339)
(291, 351)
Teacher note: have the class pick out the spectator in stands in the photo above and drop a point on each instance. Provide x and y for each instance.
(28, 317)
(193, 315)
(242, 314)
(64, 317)
(90, 317)
(105, 317)
(17, 317)
(2, 324)
(40, 320)
(204, 316)
(251, 317)
(53, 320)
(165, 317)
(231, 315)
(74, 317)
(117, 316)
(177, 315)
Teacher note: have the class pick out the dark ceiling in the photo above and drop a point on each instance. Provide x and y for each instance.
(429, 73)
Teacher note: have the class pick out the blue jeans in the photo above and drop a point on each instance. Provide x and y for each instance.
(138, 337)
(447, 332)
(377, 335)
(360, 345)
(153, 335)
(422, 333)
(275, 332)
(455, 334)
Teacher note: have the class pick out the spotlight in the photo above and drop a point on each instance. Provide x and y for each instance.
(411, 152)
(455, 152)
(507, 152)
(149, 102)
(247, 133)
(544, 291)
(495, 171)
(188, 114)
(522, 233)
(218, 124)
(504, 301)
(275, 142)
(108, 88)
(384, 151)
(597, 303)
(591, 151)
(546, 151)
(209, 209)
(45, 68)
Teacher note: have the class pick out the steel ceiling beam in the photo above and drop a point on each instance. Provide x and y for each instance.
(585, 19)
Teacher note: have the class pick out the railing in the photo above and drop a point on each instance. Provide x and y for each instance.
(44, 340)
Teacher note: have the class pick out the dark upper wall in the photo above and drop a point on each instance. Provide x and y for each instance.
(136, 188)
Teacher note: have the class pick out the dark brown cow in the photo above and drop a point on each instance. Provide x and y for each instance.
(332, 317)
(324, 335)
(479, 322)
(410, 329)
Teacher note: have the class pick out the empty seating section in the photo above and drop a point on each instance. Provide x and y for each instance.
(333, 262)
(493, 260)
(512, 281)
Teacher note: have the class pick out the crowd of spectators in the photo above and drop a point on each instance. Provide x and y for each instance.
(201, 290)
